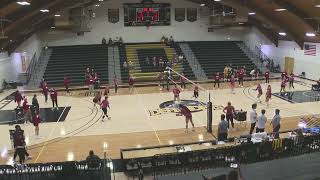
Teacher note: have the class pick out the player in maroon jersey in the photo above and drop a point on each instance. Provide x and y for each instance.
(106, 90)
(26, 110)
(45, 91)
(18, 98)
(230, 111)
(240, 76)
(216, 79)
(283, 85)
(104, 105)
(284, 75)
(267, 77)
(187, 113)
(176, 93)
(66, 83)
(97, 98)
(268, 95)
(36, 121)
(259, 89)
(232, 83)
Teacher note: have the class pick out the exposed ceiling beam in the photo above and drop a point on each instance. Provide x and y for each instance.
(297, 12)
(272, 36)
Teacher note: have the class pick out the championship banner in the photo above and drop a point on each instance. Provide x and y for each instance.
(180, 14)
(113, 15)
(192, 14)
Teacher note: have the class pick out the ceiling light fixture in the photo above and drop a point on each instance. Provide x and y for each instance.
(97, 5)
(241, 23)
(317, 5)
(282, 33)
(100, 0)
(23, 3)
(217, 0)
(53, 27)
(44, 10)
(57, 15)
(310, 34)
(280, 9)
(252, 13)
(202, 5)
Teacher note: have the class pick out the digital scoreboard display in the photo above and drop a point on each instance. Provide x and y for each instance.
(147, 13)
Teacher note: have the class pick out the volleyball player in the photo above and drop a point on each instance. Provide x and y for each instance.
(196, 91)
(187, 113)
(66, 83)
(36, 121)
(240, 76)
(26, 110)
(283, 85)
(216, 80)
(106, 90)
(232, 82)
(230, 111)
(104, 105)
(268, 95)
(259, 89)
(267, 76)
(18, 98)
(176, 93)
(97, 98)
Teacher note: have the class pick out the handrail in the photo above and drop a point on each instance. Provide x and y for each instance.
(31, 67)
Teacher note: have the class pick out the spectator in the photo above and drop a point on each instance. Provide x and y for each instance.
(276, 124)
(103, 41)
(36, 121)
(54, 98)
(223, 129)
(230, 111)
(120, 41)
(125, 65)
(93, 161)
(261, 122)
(147, 60)
(110, 42)
(66, 83)
(233, 175)
(253, 117)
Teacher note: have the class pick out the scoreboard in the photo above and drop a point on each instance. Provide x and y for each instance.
(146, 13)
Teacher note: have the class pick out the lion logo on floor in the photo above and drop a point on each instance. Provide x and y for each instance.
(173, 107)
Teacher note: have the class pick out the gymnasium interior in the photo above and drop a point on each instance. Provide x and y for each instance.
(139, 89)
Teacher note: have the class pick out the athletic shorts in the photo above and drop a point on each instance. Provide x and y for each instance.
(104, 110)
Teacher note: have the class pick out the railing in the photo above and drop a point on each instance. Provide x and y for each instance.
(83, 170)
(241, 152)
(31, 67)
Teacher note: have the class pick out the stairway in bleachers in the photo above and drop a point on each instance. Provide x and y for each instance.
(213, 56)
(123, 56)
(72, 61)
(186, 66)
(140, 69)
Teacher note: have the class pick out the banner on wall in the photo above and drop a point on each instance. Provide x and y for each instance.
(113, 15)
(192, 14)
(180, 14)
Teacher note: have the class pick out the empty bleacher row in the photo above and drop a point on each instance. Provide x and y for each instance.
(213, 56)
(72, 61)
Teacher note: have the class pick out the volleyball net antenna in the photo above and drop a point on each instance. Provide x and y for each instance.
(174, 74)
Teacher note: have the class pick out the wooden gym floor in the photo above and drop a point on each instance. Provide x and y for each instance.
(132, 126)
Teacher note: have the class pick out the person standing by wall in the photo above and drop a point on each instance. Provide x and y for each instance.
(253, 118)
(115, 82)
(223, 129)
(54, 98)
(18, 98)
(36, 121)
(261, 122)
(66, 83)
(276, 124)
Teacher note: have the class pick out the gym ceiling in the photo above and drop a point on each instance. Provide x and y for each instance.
(294, 17)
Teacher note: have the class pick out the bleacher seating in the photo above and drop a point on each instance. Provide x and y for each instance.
(72, 61)
(123, 56)
(140, 70)
(186, 66)
(213, 56)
